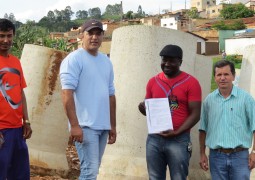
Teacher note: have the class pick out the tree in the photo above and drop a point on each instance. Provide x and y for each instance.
(44, 22)
(95, 13)
(10, 17)
(235, 25)
(193, 13)
(51, 16)
(113, 9)
(140, 10)
(81, 14)
(6, 16)
(140, 13)
(59, 21)
(67, 13)
(113, 12)
(235, 11)
(129, 15)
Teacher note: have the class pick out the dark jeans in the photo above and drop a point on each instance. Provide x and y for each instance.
(172, 152)
(14, 159)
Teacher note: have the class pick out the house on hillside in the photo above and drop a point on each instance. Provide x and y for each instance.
(213, 12)
(57, 35)
(201, 5)
(109, 27)
(250, 4)
(249, 22)
(175, 20)
(206, 46)
(151, 21)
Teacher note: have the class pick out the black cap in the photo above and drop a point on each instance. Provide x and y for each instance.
(91, 24)
(171, 51)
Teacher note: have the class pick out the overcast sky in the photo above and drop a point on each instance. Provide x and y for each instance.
(35, 9)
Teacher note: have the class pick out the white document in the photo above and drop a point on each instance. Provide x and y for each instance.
(158, 115)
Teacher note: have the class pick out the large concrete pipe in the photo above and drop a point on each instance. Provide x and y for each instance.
(247, 74)
(48, 120)
(135, 56)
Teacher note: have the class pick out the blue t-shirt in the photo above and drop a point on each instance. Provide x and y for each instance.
(91, 78)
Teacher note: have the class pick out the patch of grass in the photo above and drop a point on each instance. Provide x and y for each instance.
(236, 59)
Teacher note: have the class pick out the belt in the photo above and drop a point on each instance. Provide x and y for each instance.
(230, 150)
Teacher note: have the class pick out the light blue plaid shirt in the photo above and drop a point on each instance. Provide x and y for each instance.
(229, 122)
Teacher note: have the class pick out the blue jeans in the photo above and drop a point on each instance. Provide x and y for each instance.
(14, 158)
(229, 166)
(90, 152)
(172, 152)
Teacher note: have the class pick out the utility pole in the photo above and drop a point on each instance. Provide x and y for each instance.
(122, 14)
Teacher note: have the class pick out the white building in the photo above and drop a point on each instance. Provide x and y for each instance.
(201, 5)
(233, 1)
(170, 22)
(225, 1)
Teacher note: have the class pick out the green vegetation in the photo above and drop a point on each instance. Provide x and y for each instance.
(61, 21)
(113, 12)
(236, 59)
(235, 11)
(193, 13)
(58, 44)
(235, 25)
(30, 33)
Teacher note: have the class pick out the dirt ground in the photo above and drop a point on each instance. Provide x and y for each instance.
(74, 166)
(73, 163)
(46, 178)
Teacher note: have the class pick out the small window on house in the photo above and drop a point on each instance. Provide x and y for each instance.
(213, 11)
(218, 10)
(198, 3)
(171, 24)
(208, 3)
(213, 2)
(164, 25)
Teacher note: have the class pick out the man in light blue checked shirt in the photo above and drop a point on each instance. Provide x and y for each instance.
(227, 127)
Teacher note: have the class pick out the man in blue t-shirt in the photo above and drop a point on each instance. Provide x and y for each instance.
(88, 96)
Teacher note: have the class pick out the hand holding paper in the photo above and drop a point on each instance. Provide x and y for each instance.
(158, 115)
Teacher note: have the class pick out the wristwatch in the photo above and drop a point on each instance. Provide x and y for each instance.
(28, 123)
